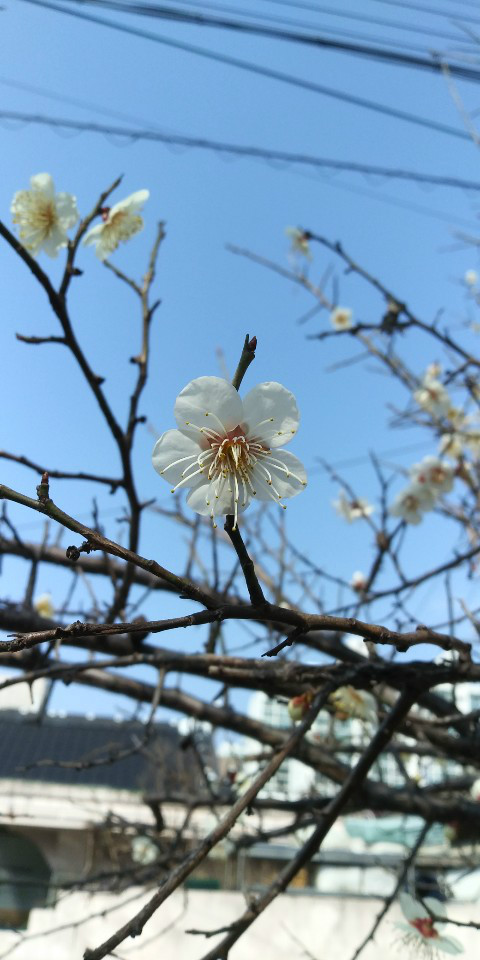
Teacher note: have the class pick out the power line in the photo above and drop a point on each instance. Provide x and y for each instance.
(330, 11)
(259, 70)
(434, 63)
(405, 5)
(395, 24)
(258, 153)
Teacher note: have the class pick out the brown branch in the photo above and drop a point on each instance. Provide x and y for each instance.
(96, 541)
(112, 482)
(248, 568)
(334, 808)
(135, 926)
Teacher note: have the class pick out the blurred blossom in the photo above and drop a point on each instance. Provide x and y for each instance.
(412, 502)
(352, 509)
(43, 216)
(422, 932)
(433, 473)
(451, 444)
(350, 703)
(358, 581)
(44, 606)
(299, 242)
(299, 706)
(471, 278)
(432, 397)
(341, 318)
(120, 223)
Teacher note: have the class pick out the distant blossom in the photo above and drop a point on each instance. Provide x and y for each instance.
(44, 606)
(43, 216)
(475, 791)
(352, 509)
(341, 318)
(349, 703)
(358, 581)
(471, 278)
(432, 397)
(225, 451)
(299, 706)
(434, 473)
(412, 502)
(422, 932)
(120, 223)
(299, 242)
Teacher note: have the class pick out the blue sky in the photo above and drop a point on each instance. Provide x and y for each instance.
(210, 298)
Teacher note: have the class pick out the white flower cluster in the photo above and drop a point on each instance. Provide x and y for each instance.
(431, 395)
(43, 218)
(429, 479)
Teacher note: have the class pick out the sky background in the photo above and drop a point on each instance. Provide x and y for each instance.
(61, 66)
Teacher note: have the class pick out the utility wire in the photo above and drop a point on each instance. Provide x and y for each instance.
(359, 191)
(405, 5)
(362, 17)
(222, 9)
(259, 70)
(435, 63)
(330, 11)
(234, 149)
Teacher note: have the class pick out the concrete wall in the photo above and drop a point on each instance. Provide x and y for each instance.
(328, 928)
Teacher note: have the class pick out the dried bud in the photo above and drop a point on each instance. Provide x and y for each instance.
(299, 706)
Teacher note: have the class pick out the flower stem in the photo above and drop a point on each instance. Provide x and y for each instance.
(247, 355)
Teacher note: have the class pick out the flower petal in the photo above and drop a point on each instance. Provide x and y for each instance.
(93, 235)
(271, 413)
(44, 183)
(172, 454)
(66, 207)
(448, 945)
(411, 908)
(208, 403)
(286, 472)
(132, 204)
(216, 499)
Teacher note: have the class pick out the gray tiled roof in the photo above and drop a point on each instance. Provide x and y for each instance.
(98, 752)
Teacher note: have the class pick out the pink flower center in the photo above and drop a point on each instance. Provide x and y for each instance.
(425, 927)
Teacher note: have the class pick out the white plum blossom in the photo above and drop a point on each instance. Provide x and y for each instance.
(120, 222)
(298, 707)
(432, 396)
(225, 450)
(475, 791)
(43, 216)
(422, 931)
(358, 581)
(349, 703)
(299, 242)
(451, 444)
(352, 509)
(341, 318)
(44, 606)
(433, 473)
(471, 278)
(412, 502)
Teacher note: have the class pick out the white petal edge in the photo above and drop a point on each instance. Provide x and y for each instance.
(285, 485)
(271, 400)
(171, 447)
(208, 403)
(133, 203)
(44, 183)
